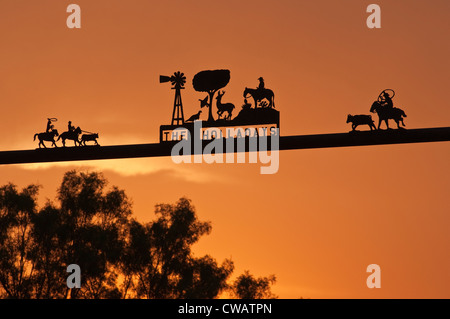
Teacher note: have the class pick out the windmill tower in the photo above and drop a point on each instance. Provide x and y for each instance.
(178, 80)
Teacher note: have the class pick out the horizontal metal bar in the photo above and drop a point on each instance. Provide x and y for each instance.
(356, 138)
(81, 153)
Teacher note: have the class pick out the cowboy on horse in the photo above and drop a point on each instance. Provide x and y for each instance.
(71, 134)
(385, 109)
(261, 84)
(261, 93)
(49, 134)
(70, 127)
(386, 100)
(50, 126)
(46, 136)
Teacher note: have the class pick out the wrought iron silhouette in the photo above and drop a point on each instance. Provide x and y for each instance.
(210, 81)
(46, 136)
(261, 83)
(385, 109)
(259, 94)
(70, 127)
(194, 117)
(70, 135)
(226, 107)
(265, 113)
(263, 104)
(385, 99)
(361, 120)
(204, 102)
(246, 105)
(297, 142)
(50, 125)
(177, 80)
(89, 137)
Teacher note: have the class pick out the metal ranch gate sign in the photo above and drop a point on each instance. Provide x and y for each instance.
(256, 117)
(261, 118)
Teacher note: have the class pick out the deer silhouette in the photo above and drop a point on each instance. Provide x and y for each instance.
(221, 108)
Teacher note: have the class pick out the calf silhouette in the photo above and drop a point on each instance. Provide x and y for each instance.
(89, 137)
(361, 120)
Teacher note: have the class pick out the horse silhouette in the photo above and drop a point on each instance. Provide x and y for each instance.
(70, 135)
(46, 136)
(260, 94)
(384, 114)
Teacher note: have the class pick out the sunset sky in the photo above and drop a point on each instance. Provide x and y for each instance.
(327, 213)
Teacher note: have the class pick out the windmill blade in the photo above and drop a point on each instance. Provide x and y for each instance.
(178, 78)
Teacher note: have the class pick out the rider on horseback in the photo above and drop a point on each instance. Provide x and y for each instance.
(50, 126)
(385, 109)
(386, 101)
(259, 94)
(260, 89)
(261, 84)
(70, 127)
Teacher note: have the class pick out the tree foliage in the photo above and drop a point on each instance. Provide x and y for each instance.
(159, 262)
(119, 256)
(211, 80)
(246, 286)
(87, 229)
(18, 248)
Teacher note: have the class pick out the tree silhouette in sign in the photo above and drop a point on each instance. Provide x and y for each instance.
(210, 81)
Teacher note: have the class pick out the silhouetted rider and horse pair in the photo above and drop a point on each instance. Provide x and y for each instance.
(385, 109)
(72, 133)
(261, 93)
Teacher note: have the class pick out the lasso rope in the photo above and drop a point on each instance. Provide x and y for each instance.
(379, 96)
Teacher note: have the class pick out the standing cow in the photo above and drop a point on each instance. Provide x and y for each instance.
(89, 137)
(361, 120)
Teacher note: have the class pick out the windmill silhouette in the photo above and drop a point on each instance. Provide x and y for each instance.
(178, 80)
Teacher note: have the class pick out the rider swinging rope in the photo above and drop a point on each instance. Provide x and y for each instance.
(385, 109)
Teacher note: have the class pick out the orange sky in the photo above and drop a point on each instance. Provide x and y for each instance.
(327, 213)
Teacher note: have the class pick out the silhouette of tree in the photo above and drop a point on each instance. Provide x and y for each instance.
(87, 229)
(246, 286)
(17, 210)
(91, 232)
(159, 261)
(210, 82)
(119, 257)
